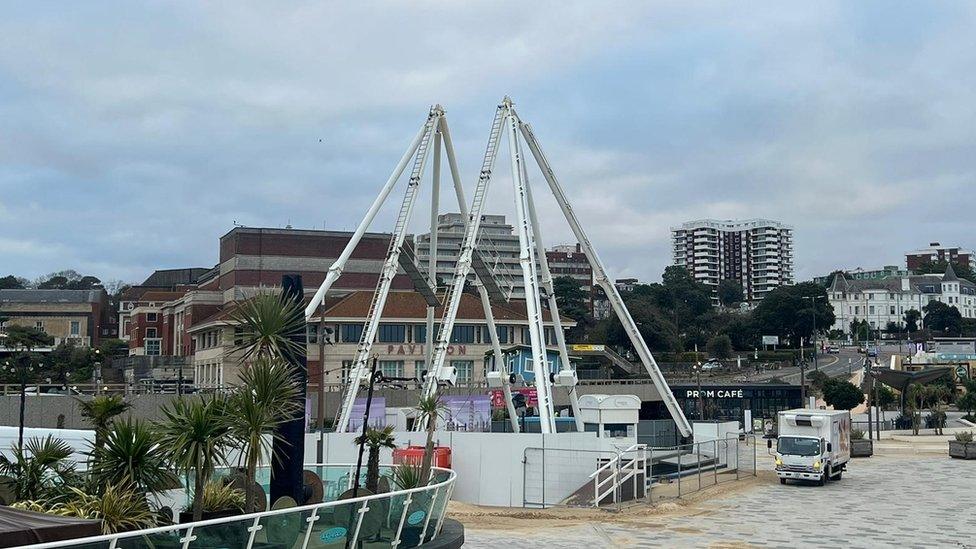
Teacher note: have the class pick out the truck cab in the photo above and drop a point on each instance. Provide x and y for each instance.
(813, 445)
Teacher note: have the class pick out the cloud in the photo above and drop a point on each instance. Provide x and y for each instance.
(134, 137)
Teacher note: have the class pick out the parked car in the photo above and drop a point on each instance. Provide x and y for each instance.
(712, 364)
(873, 352)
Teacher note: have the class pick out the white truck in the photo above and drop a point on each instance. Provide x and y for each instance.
(812, 445)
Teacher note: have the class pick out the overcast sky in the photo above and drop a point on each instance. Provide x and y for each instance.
(133, 135)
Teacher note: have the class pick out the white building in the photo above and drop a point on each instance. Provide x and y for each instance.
(881, 301)
(756, 253)
(497, 242)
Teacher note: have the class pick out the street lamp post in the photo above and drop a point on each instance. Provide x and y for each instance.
(22, 369)
(697, 368)
(813, 317)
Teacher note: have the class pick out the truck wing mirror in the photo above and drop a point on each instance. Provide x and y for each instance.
(830, 447)
(769, 443)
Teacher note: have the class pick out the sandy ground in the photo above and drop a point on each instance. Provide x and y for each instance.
(513, 519)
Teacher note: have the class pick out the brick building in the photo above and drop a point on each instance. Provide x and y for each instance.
(179, 313)
(80, 316)
(569, 260)
(937, 253)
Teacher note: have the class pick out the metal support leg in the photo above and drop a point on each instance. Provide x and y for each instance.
(601, 278)
(336, 269)
(530, 277)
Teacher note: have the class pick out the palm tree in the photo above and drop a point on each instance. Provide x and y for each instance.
(267, 323)
(937, 395)
(38, 466)
(132, 454)
(429, 409)
(100, 412)
(916, 401)
(374, 439)
(195, 435)
(265, 399)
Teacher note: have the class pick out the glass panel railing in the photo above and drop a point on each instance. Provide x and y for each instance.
(160, 539)
(225, 534)
(440, 500)
(335, 525)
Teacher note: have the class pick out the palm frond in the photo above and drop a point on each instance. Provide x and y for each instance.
(132, 454)
(268, 324)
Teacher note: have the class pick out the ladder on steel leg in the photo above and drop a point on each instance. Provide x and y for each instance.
(358, 371)
(453, 299)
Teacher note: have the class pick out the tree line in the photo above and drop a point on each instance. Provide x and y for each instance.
(678, 315)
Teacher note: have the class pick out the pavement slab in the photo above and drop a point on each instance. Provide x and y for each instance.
(882, 501)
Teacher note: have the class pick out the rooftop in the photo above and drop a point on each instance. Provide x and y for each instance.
(51, 296)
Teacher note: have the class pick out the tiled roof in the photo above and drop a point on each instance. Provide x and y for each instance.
(50, 296)
(162, 296)
(411, 305)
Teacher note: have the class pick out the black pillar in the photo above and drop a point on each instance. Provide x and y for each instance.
(286, 473)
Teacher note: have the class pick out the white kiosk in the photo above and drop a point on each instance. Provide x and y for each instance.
(610, 416)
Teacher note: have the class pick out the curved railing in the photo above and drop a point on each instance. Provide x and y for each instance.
(402, 518)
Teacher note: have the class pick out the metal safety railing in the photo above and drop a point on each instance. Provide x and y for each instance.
(615, 472)
(401, 518)
(680, 470)
(583, 477)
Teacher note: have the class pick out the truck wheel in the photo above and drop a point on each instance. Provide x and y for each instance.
(825, 476)
(838, 475)
(782, 481)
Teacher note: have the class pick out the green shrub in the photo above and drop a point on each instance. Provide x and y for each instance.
(857, 434)
(407, 475)
(964, 437)
(221, 496)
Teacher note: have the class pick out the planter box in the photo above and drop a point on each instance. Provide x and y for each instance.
(862, 448)
(962, 450)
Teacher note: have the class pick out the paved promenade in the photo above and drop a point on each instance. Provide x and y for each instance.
(883, 501)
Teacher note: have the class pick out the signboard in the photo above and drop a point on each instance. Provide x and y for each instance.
(770, 340)
(583, 348)
(531, 397)
(962, 373)
(467, 413)
(715, 393)
(377, 413)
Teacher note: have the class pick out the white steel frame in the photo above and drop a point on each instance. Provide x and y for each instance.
(535, 271)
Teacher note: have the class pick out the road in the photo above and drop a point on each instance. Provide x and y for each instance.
(834, 365)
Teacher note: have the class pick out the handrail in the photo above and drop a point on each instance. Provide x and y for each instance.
(255, 517)
(616, 458)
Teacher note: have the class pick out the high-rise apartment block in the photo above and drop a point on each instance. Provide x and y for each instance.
(757, 253)
(498, 245)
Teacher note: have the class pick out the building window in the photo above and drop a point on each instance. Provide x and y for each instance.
(151, 317)
(153, 347)
(39, 325)
(502, 335)
(351, 333)
(392, 333)
(346, 368)
(465, 370)
(462, 334)
(391, 368)
(150, 332)
(419, 367)
(420, 333)
(75, 328)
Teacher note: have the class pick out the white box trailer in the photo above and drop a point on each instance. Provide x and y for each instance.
(812, 444)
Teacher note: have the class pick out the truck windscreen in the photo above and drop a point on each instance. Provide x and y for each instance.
(798, 446)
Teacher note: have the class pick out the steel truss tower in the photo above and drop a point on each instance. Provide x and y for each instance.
(536, 275)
